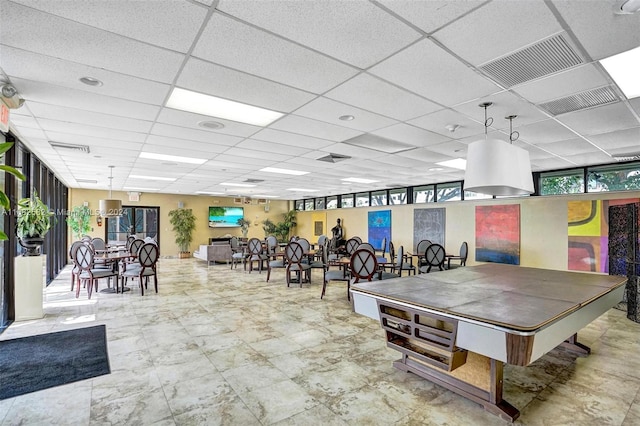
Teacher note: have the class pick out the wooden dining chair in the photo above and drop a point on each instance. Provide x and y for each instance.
(88, 273)
(462, 257)
(434, 255)
(148, 256)
(294, 253)
(255, 253)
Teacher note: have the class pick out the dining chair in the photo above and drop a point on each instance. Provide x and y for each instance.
(358, 239)
(401, 263)
(294, 254)
(255, 253)
(351, 246)
(329, 274)
(382, 250)
(148, 255)
(132, 262)
(87, 272)
(420, 248)
(74, 271)
(364, 266)
(366, 246)
(275, 261)
(434, 255)
(462, 257)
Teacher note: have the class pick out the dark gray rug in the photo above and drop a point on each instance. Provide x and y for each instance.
(33, 363)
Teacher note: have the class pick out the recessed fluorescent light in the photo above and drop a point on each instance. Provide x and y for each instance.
(209, 193)
(186, 100)
(283, 171)
(302, 190)
(163, 157)
(359, 180)
(246, 185)
(456, 163)
(136, 188)
(267, 196)
(152, 178)
(436, 169)
(624, 69)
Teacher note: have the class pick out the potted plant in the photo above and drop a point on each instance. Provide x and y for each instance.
(79, 220)
(280, 230)
(184, 222)
(4, 200)
(32, 224)
(244, 226)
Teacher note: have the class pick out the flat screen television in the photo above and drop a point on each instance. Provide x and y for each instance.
(225, 217)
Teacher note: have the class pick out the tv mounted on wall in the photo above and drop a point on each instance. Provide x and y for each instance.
(225, 217)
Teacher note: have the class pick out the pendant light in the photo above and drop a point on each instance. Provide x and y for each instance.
(110, 207)
(496, 167)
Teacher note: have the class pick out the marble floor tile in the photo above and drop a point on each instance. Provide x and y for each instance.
(220, 346)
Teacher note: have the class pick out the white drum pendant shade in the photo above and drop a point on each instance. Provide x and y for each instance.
(496, 167)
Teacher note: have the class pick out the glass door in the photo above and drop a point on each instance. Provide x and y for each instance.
(139, 221)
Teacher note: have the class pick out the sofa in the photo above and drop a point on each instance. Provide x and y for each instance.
(220, 252)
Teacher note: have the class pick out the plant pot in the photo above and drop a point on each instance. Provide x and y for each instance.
(31, 245)
(184, 254)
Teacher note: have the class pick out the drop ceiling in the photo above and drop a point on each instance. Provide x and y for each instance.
(407, 71)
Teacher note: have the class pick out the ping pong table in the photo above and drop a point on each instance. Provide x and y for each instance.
(458, 328)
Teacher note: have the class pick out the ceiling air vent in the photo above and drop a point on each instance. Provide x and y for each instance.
(254, 180)
(589, 99)
(626, 157)
(334, 158)
(546, 57)
(70, 146)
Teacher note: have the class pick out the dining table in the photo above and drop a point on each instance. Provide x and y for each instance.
(113, 256)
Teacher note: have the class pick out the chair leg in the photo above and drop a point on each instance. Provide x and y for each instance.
(268, 274)
(324, 288)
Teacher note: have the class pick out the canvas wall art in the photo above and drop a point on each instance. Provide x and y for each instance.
(498, 234)
(379, 225)
(429, 224)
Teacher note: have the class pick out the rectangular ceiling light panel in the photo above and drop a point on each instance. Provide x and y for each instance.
(624, 69)
(456, 163)
(168, 179)
(172, 158)
(538, 60)
(186, 100)
(358, 180)
(378, 143)
(283, 171)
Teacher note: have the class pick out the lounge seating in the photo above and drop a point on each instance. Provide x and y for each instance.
(214, 253)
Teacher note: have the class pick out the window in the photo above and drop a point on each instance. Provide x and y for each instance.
(308, 204)
(346, 201)
(299, 205)
(448, 192)
(468, 195)
(362, 199)
(424, 194)
(618, 177)
(332, 202)
(379, 198)
(398, 196)
(562, 182)
(320, 203)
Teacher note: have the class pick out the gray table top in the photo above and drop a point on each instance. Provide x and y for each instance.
(511, 296)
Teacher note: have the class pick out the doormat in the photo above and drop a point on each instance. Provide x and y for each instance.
(33, 363)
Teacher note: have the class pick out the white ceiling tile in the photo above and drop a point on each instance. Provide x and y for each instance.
(442, 78)
(167, 23)
(245, 88)
(562, 84)
(370, 93)
(251, 153)
(79, 116)
(570, 147)
(186, 146)
(55, 95)
(453, 149)
(410, 134)
(550, 164)
(327, 110)
(293, 139)
(97, 141)
(58, 72)
(589, 158)
(425, 155)
(358, 33)
(438, 122)
(29, 133)
(194, 135)
(590, 21)
(116, 53)
(23, 121)
(86, 130)
(544, 132)
(191, 120)
(504, 104)
(305, 69)
(433, 14)
(476, 41)
(276, 148)
(314, 128)
(618, 139)
(600, 120)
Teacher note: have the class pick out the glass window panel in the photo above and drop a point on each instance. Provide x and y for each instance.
(308, 204)
(424, 194)
(346, 201)
(362, 199)
(468, 195)
(332, 202)
(619, 177)
(319, 203)
(562, 182)
(299, 205)
(398, 196)
(449, 192)
(379, 198)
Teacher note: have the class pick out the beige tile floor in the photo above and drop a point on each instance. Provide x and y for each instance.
(221, 346)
